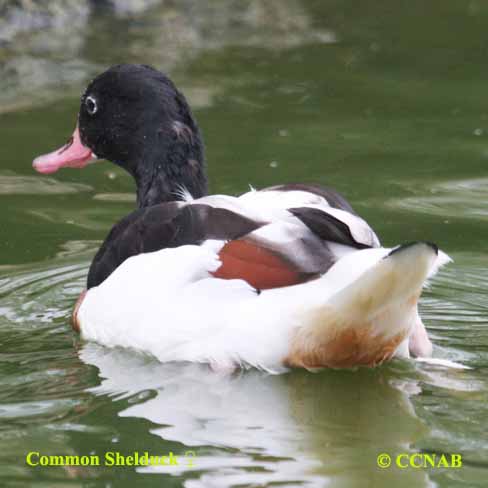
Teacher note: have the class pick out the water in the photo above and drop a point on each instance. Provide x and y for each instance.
(384, 101)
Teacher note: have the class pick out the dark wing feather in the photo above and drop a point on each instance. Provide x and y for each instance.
(328, 227)
(166, 225)
(266, 254)
(334, 199)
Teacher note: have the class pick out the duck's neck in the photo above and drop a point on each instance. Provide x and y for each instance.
(172, 166)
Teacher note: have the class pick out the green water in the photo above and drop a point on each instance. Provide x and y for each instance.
(387, 102)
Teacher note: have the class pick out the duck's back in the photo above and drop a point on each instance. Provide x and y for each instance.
(275, 237)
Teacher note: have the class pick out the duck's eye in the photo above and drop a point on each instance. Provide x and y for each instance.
(91, 105)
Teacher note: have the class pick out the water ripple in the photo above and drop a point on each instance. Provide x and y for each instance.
(459, 198)
(12, 184)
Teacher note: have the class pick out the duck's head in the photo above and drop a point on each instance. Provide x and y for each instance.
(133, 116)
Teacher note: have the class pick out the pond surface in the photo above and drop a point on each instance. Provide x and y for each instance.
(387, 102)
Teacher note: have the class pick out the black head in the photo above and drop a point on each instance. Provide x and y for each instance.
(134, 116)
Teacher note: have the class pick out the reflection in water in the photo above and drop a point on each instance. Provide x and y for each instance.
(77, 248)
(11, 184)
(246, 428)
(453, 404)
(459, 198)
(116, 197)
(295, 426)
(457, 311)
(43, 296)
(169, 35)
(92, 218)
(337, 92)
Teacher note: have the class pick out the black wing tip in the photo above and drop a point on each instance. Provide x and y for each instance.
(407, 245)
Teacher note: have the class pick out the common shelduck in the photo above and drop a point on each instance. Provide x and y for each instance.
(287, 276)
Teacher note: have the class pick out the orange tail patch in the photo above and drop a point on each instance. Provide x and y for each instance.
(258, 266)
(74, 316)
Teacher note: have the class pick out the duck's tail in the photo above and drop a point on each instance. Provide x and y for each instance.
(374, 313)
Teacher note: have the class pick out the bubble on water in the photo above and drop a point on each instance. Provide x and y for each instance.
(473, 8)
(273, 164)
(478, 132)
(374, 46)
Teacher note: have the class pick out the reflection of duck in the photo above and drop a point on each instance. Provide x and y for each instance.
(308, 428)
(285, 276)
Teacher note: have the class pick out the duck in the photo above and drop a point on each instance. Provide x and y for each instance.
(288, 276)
